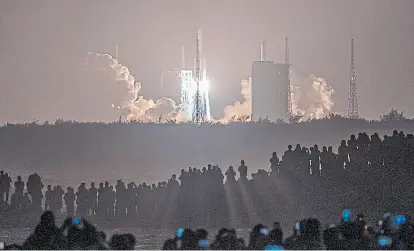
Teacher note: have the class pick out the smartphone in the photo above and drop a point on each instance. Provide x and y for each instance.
(274, 247)
(180, 232)
(203, 243)
(400, 219)
(297, 226)
(264, 231)
(384, 241)
(346, 215)
(76, 220)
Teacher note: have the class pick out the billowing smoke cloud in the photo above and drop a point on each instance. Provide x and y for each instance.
(311, 99)
(240, 109)
(133, 107)
(311, 96)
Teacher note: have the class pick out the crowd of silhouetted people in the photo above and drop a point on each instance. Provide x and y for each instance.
(75, 233)
(353, 233)
(394, 232)
(209, 197)
(208, 194)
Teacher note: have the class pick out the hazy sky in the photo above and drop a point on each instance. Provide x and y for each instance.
(43, 45)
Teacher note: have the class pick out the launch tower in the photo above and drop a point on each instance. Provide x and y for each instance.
(353, 112)
(198, 102)
(289, 93)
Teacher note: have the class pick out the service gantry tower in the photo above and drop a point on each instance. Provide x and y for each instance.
(289, 93)
(353, 112)
(198, 110)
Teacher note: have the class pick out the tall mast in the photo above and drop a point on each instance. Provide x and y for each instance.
(289, 92)
(353, 112)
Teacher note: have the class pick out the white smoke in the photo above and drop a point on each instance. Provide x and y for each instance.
(311, 96)
(133, 107)
(311, 99)
(240, 109)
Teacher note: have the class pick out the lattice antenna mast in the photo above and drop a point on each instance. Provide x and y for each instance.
(198, 113)
(289, 107)
(353, 112)
(182, 58)
(117, 51)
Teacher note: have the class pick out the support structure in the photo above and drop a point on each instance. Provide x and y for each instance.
(198, 110)
(353, 112)
(263, 51)
(182, 58)
(289, 93)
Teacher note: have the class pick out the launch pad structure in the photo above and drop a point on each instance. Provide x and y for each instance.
(198, 102)
(189, 88)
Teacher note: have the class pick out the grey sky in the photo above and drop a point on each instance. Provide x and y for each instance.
(43, 45)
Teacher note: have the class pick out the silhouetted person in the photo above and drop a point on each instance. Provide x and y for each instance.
(324, 159)
(315, 160)
(120, 206)
(44, 233)
(131, 196)
(58, 192)
(122, 242)
(276, 235)
(7, 184)
(111, 200)
(173, 182)
(69, 199)
(331, 159)
(343, 154)
(19, 187)
(353, 150)
(92, 199)
(82, 199)
(243, 171)
(287, 159)
(34, 188)
(101, 199)
(274, 163)
(305, 161)
(49, 198)
(296, 157)
(258, 240)
(230, 175)
(310, 236)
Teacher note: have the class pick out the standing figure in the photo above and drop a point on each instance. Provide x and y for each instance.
(69, 199)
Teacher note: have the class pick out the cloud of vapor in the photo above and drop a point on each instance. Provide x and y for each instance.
(240, 109)
(132, 107)
(311, 96)
(311, 99)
